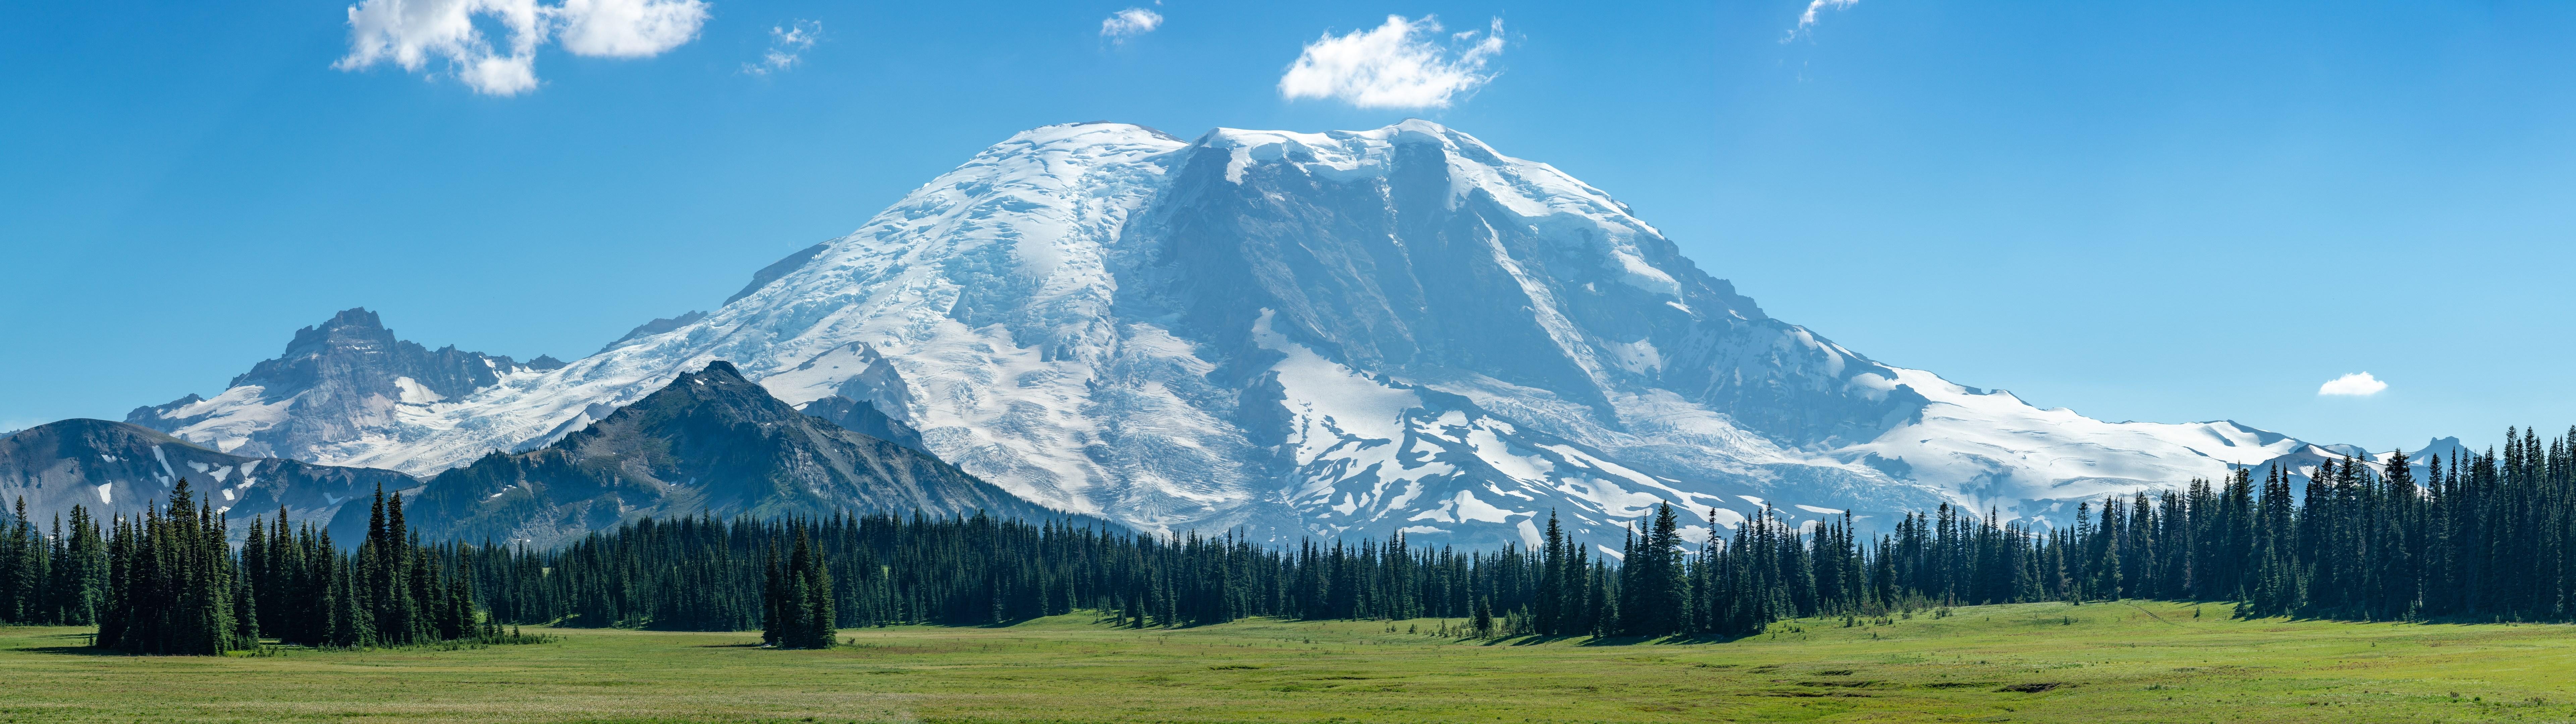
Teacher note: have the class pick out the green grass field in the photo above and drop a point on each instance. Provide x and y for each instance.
(2102, 662)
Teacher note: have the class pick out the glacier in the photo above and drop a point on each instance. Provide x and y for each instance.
(1349, 333)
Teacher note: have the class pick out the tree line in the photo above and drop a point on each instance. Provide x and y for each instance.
(2477, 537)
(702, 573)
(168, 581)
(55, 577)
(726, 575)
(392, 590)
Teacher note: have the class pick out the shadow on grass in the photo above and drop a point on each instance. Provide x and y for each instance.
(72, 645)
(1535, 640)
(1702, 639)
(83, 650)
(2239, 613)
(1673, 640)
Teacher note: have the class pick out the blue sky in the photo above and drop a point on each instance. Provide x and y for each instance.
(2158, 211)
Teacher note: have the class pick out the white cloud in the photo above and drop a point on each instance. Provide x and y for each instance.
(1397, 65)
(629, 28)
(786, 45)
(1808, 19)
(413, 33)
(1130, 23)
(2358, 384)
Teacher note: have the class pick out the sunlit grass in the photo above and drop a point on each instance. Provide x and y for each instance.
(2102, 662)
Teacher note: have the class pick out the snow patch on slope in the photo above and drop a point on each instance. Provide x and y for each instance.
(1993, 449)
(230, 418)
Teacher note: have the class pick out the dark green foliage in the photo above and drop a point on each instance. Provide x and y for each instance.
(797, 602)
(51, 578)
(705, 574)
(1657, 591)
(391, 591)
(171, 583)
(167, 582)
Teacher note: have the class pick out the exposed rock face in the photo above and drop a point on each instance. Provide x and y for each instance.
(865, 419)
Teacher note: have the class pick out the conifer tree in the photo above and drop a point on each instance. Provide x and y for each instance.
(1547, 611)
(173, 588)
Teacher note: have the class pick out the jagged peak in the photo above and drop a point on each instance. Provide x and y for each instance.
(357, 317)
(721, 368)
(351, 322)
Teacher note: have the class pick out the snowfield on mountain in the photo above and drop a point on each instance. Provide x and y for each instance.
(1340, 334)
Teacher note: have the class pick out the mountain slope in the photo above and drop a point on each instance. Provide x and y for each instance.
(710, 443)
(114, 468)
(1343, 333)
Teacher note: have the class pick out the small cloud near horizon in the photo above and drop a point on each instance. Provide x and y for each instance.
(1400, 64)
(2358, 384)
(412, 33)
(1130, 23)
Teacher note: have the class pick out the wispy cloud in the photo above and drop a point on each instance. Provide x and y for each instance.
(787, 45)
(1130, 23)
(2358, 384)
(412, 34)
(1400, 64)
(1808, 19)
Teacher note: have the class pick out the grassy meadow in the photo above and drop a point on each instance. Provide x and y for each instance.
(2101, 662)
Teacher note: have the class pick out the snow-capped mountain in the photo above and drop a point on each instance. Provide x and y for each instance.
(1344, 333)
(336, 392)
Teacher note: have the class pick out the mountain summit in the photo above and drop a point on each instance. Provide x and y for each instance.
(1342, 333)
